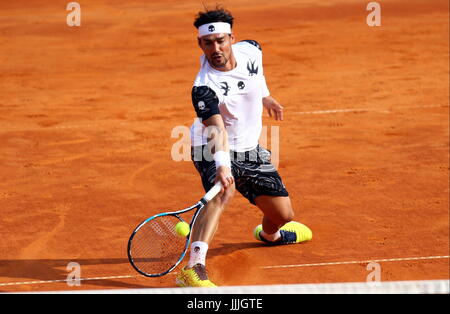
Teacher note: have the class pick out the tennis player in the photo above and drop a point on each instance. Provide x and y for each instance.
(228, 96)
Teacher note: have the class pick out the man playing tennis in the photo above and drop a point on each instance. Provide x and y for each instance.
(229, 94)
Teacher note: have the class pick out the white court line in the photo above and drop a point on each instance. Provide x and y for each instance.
(63, 280)
(89, 125)
(361, 262)
(263, 267)
(332, 111)
(384, 287)
(355, 110)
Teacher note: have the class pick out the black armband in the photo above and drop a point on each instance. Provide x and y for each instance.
(205, 101)
(254, 43)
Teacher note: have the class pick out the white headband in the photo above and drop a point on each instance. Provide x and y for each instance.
(214, 28)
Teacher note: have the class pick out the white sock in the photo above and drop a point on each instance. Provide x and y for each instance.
(198, 253)
(271, 237)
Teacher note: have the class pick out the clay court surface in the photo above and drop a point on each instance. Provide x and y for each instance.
(86, 121)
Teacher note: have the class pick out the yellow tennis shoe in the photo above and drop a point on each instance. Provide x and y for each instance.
(194, 277)
(292, 232)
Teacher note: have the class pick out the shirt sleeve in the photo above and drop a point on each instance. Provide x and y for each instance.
(254, 48)
(205, 102)
(264, 89)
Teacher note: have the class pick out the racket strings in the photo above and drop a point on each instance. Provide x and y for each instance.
(157, 247)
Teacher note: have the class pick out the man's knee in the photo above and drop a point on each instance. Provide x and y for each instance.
(286, 215)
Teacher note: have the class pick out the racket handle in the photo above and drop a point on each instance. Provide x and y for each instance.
(213, 192)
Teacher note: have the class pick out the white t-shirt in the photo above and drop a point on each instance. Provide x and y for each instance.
(240, 92)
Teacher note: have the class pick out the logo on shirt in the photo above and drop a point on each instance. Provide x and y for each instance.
(241, 85)
(252, 70)
(201, 105)
(225, 87)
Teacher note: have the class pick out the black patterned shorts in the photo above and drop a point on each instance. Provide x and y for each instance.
(253, 172)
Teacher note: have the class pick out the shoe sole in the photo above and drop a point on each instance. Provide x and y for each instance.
(183, 284)
(180, 283)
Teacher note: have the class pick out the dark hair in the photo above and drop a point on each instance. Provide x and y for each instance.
(212, 16)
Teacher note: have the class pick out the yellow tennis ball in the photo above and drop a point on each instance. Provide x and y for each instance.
(182, 228)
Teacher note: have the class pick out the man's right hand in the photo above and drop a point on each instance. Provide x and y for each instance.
(225, 177)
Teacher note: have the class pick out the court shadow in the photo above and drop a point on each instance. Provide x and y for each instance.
(228, 248)
(55, 270)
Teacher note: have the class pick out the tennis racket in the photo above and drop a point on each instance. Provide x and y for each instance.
(155, 248)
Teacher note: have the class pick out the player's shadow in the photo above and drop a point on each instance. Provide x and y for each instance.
(228, 248)
(55, 270)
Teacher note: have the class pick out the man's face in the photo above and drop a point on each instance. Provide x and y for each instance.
(217, 49)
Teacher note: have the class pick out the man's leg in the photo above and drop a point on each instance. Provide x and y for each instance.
(277, 212)
(277, 226)
(194, 274)
(208, 220)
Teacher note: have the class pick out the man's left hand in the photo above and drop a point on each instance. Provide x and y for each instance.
(273, 107)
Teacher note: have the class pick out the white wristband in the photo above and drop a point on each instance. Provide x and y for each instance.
(222, 159)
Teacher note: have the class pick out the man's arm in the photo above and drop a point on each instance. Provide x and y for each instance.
(271, 104)
(218, 141)
(206, 105)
